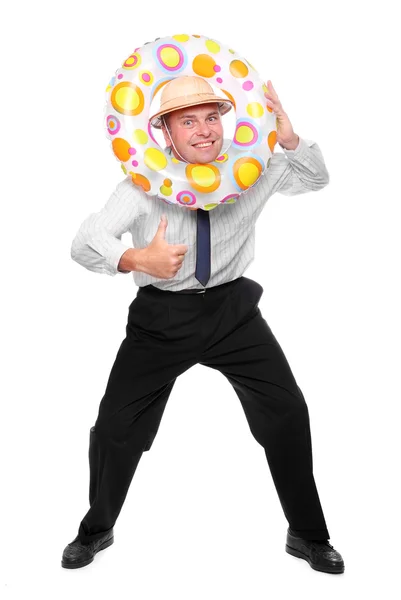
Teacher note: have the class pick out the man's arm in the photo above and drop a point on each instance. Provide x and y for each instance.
(97, 245)
(297, 171)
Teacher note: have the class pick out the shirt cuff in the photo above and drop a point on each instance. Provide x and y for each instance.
(300, 150)
(114, 258)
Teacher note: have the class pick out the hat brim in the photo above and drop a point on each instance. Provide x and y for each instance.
(225, 105)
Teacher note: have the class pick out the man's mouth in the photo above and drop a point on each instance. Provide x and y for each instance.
(203, 144)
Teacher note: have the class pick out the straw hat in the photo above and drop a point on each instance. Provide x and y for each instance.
(187, 91)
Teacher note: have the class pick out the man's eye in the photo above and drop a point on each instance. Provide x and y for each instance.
(187, 122)
(213, 118)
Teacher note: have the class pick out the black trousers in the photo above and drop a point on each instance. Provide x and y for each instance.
(166, 334)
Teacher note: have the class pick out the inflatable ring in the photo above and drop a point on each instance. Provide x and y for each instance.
(129, 95)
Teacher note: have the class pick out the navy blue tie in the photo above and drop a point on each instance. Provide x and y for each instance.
(202, 271)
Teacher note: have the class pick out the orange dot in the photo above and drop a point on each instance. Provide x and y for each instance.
(120, 148)
(140, 181)
(238, 68)
(230, 97)
(168, 182)
(203, 65)
(272, 140)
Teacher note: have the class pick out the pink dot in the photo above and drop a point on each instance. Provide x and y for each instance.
(219, 80)
(120, 76)
(132, 151)
(216, 69)
(146, 77)
(248, 85)
(134, 163)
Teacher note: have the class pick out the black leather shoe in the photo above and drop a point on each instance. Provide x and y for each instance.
(77, 555)
(320, 554)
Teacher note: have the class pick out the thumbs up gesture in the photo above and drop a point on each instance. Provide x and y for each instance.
(161, 259)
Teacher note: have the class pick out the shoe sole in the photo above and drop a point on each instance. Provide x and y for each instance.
(334, 570)
(77, 565)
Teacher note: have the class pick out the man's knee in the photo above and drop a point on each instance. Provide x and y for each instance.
(118, 431)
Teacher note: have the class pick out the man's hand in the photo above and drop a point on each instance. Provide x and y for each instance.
(285, 133)
(161, 259)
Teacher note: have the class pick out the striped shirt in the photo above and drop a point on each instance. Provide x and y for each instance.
(97, 245)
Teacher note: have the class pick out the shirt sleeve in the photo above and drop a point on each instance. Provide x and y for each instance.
(97, 245)
(298, 171)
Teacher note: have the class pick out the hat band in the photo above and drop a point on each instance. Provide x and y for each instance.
(178, 101)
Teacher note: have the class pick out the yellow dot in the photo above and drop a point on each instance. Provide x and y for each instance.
(212, 46)
(170, 57)
(248, 173)
(167, 191)
(127, 99)
(175, 160)
(203, 176)
(210, 206)
(255, 109)
(244, 134)
(140, 136)
(155, 159)
(181, 37)
(132, 61)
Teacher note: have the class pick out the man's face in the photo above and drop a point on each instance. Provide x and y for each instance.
(196, 131)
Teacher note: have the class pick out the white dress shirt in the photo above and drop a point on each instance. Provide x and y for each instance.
(97, 245)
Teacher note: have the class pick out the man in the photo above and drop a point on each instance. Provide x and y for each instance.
(195, 308)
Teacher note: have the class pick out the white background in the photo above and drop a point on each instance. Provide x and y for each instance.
(202, 518)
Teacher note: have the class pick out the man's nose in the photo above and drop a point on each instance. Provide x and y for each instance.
(203, 128)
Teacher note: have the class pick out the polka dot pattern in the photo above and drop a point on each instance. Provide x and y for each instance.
(186, 198)
(141, 181)
(171, 58)
(246, 171)
(113, 124)
(155, 159)
(246, 134)
(255, 110)
(142, 76)
(238, 69)
(146, 77)
(140, 136)
(127, 99)
(121, 149)
(212, 46)
(133, 61)
(203, 65)
(204, 178)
